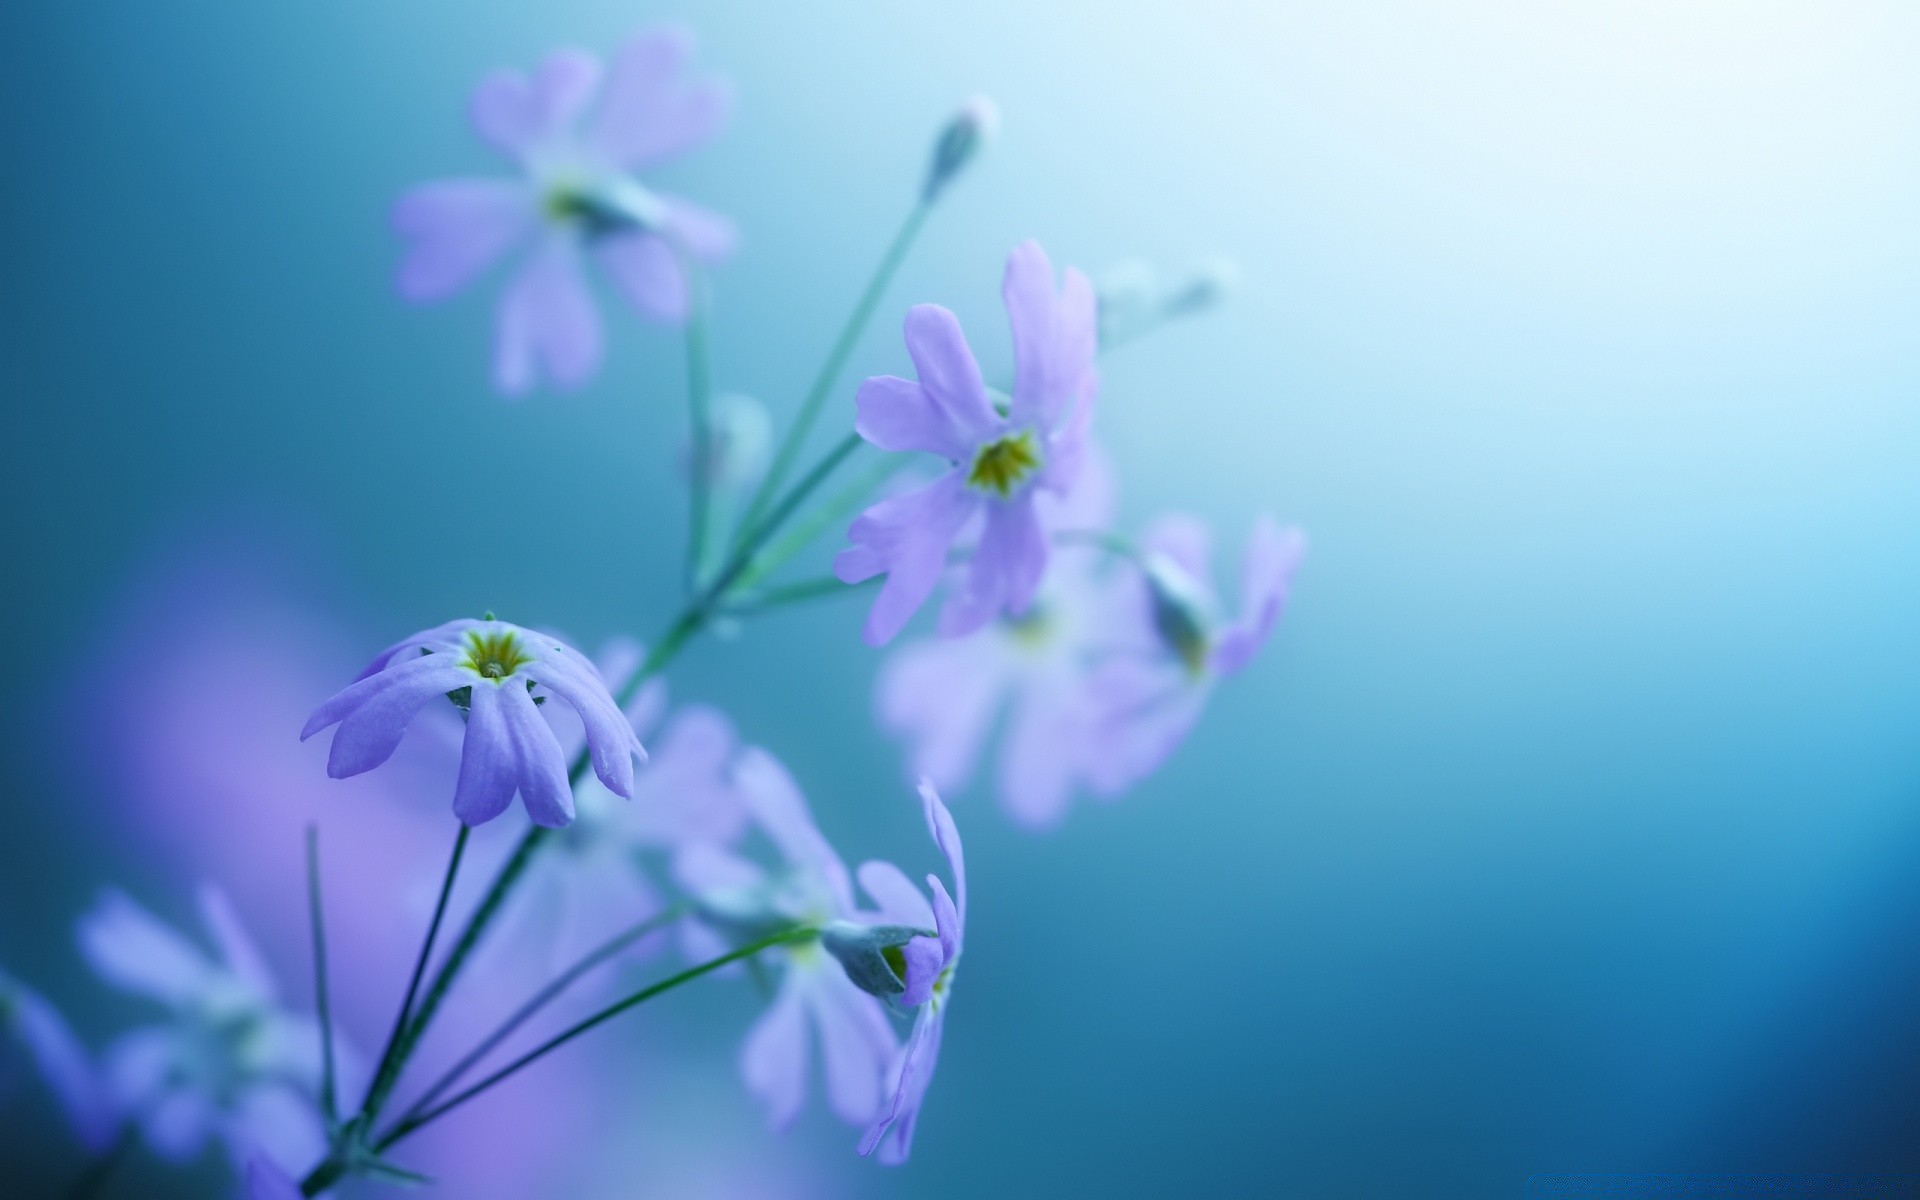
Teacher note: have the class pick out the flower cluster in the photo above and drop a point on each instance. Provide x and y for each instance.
(1095, 651)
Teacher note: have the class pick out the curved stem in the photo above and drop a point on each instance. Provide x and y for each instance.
(546, 995)
(322, 1002)
(400, 1041)
(409, 1125)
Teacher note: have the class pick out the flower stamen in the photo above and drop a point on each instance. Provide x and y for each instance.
(495, 654)
(1002, 465)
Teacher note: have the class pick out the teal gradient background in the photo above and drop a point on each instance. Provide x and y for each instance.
(1571, 822)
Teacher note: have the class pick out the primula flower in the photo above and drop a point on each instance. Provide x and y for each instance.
(489, 668)
(577, 198)
(265, 1181)
(816, 997)
(229, 1061)
(1145, 696)
(929, 980)
(944, 696)
(1001, 456)
(62, 1062)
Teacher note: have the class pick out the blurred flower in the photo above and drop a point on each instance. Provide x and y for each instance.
(230, 1061)
(265, 1181)
(1146, 694)
(943, 696)
(970, 128)
(929, 983)
(815, 995)
(1134, 298)
(61, 1061)
(739, 443)
(488, 668)
(578, 196)
(1001, 459)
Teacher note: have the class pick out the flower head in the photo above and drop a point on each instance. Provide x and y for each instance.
(228, 1061)
(577, 197)
(1001, 456)
(490, 669)
(62, 1062)
(974, 125)
(929, 983)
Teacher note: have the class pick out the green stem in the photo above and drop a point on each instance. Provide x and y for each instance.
(836, 360)
(400, 1041)
(545, 996)
(699, 394)
(409, 1125)
(837, 509)
(322, 1003)
(790, 594)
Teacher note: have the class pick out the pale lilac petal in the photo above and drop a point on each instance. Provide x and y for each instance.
(489, 766)
(776, 802)
(522, 115)
(941, 695)
(946, 919)
(705, 869)
(134, 951)
(63, 1063)
(372, 682)
(1186, 542)
(899, 415)
(237, 948)
(950, 375)
(686, 793)
(710, 236)
(1090, 502)
(278, 1122)
(1145, 710)
(445, 637)
(1266, 575)
(546, 322)
(773, 1062)
(647, 113)
(915, 1072)
(907, 537)
(178, 1123)
(543, 766)
(265, 1181)
(611, 743)
(369, 734)
(1006, 569)
(900, 903)
(456, 228)
(646, 272)
(1045, 744)
(1054, 338)
(856, 1044)
(925, 959)
(946, 835)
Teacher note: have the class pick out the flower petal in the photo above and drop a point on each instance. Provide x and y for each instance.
(238, 950)
(134, 951)
(1005, 571)
(455, 229)
(647, 114)
(916, 1064)
(611, 742)
(1266, 575)
(907, 537)
(773, 1060)
(900, 902)
(522, 115)
(950, 375)
(547, 321)
(489, 763)
(1143, 711)
(387, 704)
(709, 235)
(777, 804)
(856, 1043)
(646, 273)
(941, 695)
(265, 1181)
(543, 766)
(1045, 742)
(946, 835)
(1054, 338)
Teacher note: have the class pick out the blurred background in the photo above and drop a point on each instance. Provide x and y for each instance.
(1571, 823)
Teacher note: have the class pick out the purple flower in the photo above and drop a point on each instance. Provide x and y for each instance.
(816, 998)
(265, 1181)
(490, 669)
(62, 1062)
(577, 198)
(929, 980)
(1001, 456)
(1146, 694)
(943, 696)
(229, 1061)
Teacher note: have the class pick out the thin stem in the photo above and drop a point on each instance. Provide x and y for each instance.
(322, 1003)
(837, 508)
(405, 1127)
(546, 995)
(790, 594)
(101, 1169)
(699, 394)
(400, 1041)
(836, 360)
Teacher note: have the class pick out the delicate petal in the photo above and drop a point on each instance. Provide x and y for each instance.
(899, 415)
(178, 1123)
(646, 272)
(131, 949)
(1006, 569)
(278, 1122)
(371, 682)
(907, 537)
(856, 1044)
(455, 229)
(1054, 339)
(900, 903)
(705, 869)
(387, 704)
(237, 949)
(441, 637)
(647, 114)
(1185, 541)
(946, 835)
(1045, 743)
(946, 918)
(62, 1062)
(950, 375)
(1144, 711)
(522, 115)
(489, 764)
(777, 804)
(916, 1064)
(941, 695)
(687, 793)
(543, 767)
(773, 1062)
(1273, 555)
(265, 1181)
(547, 321)
(710, 236)
(610, 740)
(1090, 502)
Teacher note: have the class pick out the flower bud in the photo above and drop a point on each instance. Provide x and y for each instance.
(871, 954)
(970, 128)
(739, 444)
(1180, 611)
(1205, 286)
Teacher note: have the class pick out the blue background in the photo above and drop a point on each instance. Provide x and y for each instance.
(1570, 822)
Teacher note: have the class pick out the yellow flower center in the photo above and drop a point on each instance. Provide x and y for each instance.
(495, 654)
(1004, 464)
